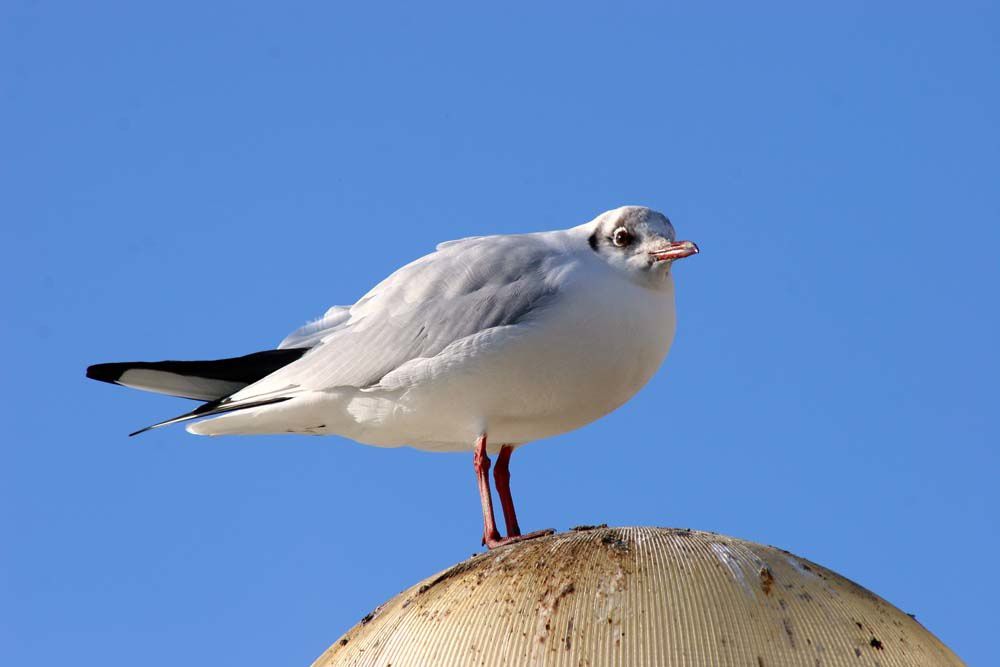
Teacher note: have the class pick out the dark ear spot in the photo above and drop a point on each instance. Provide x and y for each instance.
(593, 241)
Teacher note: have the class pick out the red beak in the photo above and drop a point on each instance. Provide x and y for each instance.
(675, 250)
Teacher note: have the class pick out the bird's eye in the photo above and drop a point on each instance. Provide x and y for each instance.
(621, 237)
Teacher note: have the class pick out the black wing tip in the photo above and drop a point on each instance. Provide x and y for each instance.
(106, 372)
(247, 369)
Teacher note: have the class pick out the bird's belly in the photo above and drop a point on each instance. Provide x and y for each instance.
(547, 380)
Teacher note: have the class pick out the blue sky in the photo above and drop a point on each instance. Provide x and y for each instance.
(194, 181)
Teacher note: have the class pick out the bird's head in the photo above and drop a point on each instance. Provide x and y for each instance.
(638, 241)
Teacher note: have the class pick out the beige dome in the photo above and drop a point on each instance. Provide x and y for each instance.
(637, 596)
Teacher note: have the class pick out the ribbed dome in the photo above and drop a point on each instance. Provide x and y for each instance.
(637, 596)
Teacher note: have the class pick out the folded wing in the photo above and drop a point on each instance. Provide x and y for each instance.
(461, 289)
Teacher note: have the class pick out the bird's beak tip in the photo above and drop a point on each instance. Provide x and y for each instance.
(675, 250)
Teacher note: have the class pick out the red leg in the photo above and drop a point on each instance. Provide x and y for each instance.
(502, 476)
(481, 463)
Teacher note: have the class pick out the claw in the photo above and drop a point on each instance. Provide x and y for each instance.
(504, 541)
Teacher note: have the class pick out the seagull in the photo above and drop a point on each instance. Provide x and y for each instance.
(486, 344)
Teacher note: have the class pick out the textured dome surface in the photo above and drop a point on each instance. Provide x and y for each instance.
(637, 596)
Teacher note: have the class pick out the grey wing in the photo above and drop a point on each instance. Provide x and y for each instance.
(312, 334)
(461, 289)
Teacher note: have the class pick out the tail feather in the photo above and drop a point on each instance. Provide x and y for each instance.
(211, 409)
(213, 381)
(199, 380)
